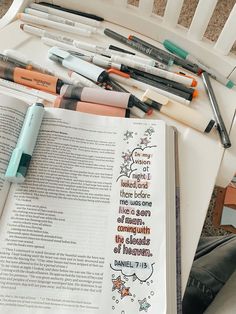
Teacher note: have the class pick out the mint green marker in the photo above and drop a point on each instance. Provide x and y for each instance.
(21, 155)
(178, 51)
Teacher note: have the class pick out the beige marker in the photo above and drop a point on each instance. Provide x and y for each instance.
(177, 111)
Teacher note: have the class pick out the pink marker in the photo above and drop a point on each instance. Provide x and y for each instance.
(93, 108)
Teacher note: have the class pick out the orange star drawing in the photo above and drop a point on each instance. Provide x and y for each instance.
(117, 283)
(124, 292)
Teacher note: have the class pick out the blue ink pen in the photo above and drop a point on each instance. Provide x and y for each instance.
(21, 155)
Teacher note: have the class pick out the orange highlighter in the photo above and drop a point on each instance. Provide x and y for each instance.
(37, 80)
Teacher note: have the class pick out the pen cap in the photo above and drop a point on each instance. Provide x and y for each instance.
(175, 49)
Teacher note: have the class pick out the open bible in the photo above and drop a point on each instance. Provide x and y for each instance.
(93, 227)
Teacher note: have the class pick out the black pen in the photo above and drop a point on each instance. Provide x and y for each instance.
(88, 15)
(122, 39)
(164, 81)
(164, 87)
(153, 50)
(224, 137)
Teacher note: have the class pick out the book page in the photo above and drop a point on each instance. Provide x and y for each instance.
(12, 112)
(55, 225)
(135, 276)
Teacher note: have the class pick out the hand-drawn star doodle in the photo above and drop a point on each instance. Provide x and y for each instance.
(124, 169)
(144, 141)
(124, 292)
(144, 305)
(127, 135)
(117, 283)
(149, 131)
(127, 156)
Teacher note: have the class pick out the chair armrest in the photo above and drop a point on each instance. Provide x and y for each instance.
(16, 7)
(228, 164)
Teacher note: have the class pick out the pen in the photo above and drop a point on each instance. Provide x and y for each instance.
(91, 50)
(185, 55)
(58, 19)
(93, 108)
(88, 15)
(103, 97)
(154, 51)
(22, 154)
(65, 14)
(142, 86)
(62, 27)
(16, 63)
(165, 81)
(54, 39)
(162, 73)
(224, 137)
(161, 57)
(164, 87)
(177, 111)
(32, 65)
(30, 78)
(89, 70)
(27, 90)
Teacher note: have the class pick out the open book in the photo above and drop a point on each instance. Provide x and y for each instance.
(93, 227)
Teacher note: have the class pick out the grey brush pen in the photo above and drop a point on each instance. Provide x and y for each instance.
(224, 137)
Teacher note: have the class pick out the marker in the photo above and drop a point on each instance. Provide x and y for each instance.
(182, 79)
(58, 19)
(167, 82)
(65, 15)
(154, 51)
(101, 96)
(27, 90)
(30, 78)
(90, 71)
(88, 15)
(224, 137)
(159, 57)
(177, 111)
(185, 55)
(14, 62)
(62, 27)
(162, 86)
(92, 50)
(53, 39)
(142, 86)
(22, 154)
(93, 108)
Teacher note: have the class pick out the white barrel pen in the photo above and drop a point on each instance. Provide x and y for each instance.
(64, 28)
(142, 86)
(58, 19)
(66, 15)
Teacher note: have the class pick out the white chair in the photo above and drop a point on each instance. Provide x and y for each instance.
(203, 161)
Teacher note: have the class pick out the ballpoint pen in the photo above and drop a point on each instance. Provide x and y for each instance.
(224, 137)
(185, 55)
